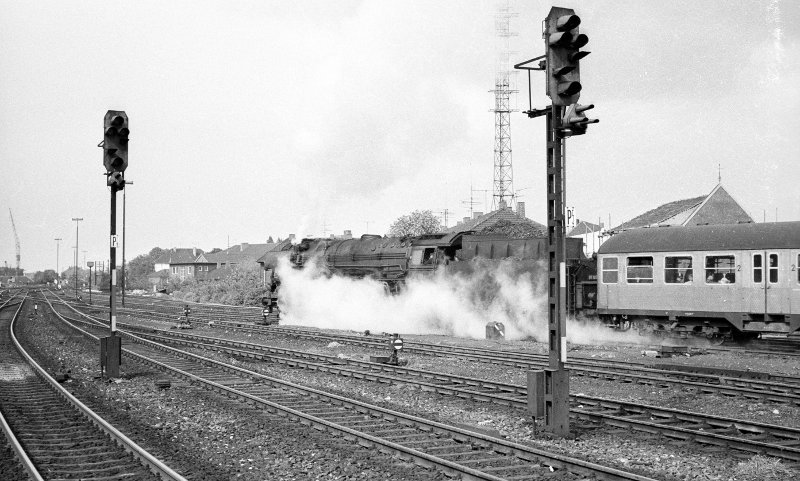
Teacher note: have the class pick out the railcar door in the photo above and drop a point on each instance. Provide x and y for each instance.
(778, 292)
(770, 278)
(794, 282)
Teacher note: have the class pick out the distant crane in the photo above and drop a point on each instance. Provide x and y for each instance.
(16, 237)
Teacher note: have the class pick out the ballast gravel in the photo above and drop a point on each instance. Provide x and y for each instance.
(209, 437)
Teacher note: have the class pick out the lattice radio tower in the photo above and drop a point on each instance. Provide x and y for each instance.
(503, 194)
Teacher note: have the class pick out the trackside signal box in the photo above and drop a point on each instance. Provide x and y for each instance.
(109, 363)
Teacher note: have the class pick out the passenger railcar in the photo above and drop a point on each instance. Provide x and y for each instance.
(715, 280)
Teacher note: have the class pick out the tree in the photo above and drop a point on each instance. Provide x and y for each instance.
(140, 267)
(416, 223)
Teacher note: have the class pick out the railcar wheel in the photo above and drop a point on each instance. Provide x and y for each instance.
(624, 325)
(715, 339)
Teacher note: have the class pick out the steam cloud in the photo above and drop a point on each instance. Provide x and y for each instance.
(457, 303)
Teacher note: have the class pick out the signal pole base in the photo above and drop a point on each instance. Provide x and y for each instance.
(110, 356)
(556, 401)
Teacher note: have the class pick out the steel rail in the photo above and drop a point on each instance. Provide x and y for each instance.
(687, 426)
(771, 391)
(500, 447)
(13, 442)
(677, 424)
(149, 461)
(749, 388)
(762, 390)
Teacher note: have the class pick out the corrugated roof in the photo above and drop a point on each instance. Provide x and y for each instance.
(720, 237)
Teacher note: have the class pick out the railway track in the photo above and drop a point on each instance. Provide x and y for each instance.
(456, 451)
(55, 436)
(170, 310)
(705, 430)
(756, 386)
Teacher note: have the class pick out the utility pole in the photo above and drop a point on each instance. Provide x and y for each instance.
(115, 161)
(548, 390)
(76, 219)
(124, 279)
(58, 249)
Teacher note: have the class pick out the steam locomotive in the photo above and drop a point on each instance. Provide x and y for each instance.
(713, 281)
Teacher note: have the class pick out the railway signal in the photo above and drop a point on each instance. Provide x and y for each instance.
(115, 147)
(574, 121)
(563, 43)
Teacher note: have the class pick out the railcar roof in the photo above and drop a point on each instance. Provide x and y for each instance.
(776, 235)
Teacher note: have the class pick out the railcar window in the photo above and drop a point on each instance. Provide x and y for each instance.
(757, 269)
(773, 268)
(610, 270)
(720, 269)
(640, 270)
(678, 270)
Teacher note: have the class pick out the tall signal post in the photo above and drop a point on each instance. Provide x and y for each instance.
(115, 161)
(548, 390)
(503, 194)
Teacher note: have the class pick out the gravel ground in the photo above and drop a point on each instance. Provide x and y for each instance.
(200, 434)
(182, 414)
(628, 451)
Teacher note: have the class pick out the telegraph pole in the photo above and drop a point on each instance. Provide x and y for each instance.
(58, 251)
(115, 161)
(76, 219)
(548, 389)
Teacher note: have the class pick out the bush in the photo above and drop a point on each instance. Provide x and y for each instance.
(242, 287)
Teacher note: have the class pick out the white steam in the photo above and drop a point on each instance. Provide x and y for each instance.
(458, 304)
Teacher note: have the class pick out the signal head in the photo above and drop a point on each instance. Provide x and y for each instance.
(115, 141)
(563, 43)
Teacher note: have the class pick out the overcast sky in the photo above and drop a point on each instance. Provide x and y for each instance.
(252, 119)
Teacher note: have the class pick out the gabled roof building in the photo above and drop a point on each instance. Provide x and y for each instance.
(718, 207)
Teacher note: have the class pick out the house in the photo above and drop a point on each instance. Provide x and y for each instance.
(242, 255)
(159, 279)
(718, 207)
(503, 221)
(181, 262)
(590, 234)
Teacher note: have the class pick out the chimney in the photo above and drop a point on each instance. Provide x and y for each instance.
(348, 234)
(466, 219)
(521, 209)
(243, 246)
(291, 236)
(475, 215)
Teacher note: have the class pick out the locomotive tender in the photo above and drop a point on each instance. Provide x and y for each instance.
(720, 281)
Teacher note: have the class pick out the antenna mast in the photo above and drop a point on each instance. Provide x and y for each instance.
(503, 173)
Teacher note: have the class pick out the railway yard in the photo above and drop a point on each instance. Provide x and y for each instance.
(230, 399)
